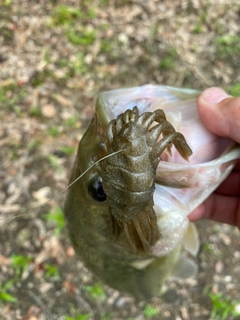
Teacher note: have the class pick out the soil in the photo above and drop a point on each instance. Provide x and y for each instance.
(55, 57)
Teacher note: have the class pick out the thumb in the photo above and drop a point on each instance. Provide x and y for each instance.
(220, 113)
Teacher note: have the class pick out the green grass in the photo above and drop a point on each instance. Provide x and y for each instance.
(207, 247)
(65, 15)
(75, 315)
(71, 68)
(81, 37)
(70, 18)
(68, 150)
(35, 112)
(11, 95)
(79, 66)
(223, 307)
(47, 54)
(10, 85)
(51, 272)
(96, 291)
(106, 45)
(168, 62)
(5, 296)
(71, 122)
(84, 316)
(40, 77)
(150, 311)
(105, 316)
(54, 131)
(235, 90)
(20, 263)
(227, 45)
(203, 17)
(54, 162)
(57, 218)
(7, 3)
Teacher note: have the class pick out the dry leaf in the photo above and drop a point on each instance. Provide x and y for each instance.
(48, 110)
(63, 100)
(52, 249)
(4, 261)
(42, 195)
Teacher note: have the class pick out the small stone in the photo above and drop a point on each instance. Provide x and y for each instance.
(120, 302)
(184, 313)
(237, 308)
(123, 38)
(170, 296)
(237, 254)
(48, 111)
(228, 278)
(70, 251)
(219, 267)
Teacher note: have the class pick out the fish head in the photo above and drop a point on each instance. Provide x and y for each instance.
(180, 185)
(87, 211)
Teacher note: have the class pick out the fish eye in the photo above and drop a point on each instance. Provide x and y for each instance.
(96, 191)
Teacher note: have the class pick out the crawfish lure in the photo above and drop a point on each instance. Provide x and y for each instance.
(128, 178)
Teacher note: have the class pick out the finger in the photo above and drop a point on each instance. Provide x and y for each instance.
(197, 214)
(237, 166)
(230, 186)
(220, 113)
(219, 208)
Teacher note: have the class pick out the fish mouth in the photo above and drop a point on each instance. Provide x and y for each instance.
(147, 98)
(180, 185)
(180, 109)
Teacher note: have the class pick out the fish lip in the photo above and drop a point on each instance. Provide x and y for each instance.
(101, 111)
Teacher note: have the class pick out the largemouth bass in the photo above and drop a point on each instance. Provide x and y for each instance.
(127, 216)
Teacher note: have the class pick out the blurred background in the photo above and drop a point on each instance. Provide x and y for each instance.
(55, 57)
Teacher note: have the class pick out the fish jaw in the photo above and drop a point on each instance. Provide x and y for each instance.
(173, 204)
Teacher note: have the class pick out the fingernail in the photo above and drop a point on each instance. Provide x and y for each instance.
(214, 95)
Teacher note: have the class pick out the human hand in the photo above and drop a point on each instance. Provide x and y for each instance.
(220, 113)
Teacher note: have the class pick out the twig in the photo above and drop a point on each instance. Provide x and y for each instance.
(46, 311)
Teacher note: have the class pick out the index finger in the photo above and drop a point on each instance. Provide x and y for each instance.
(219, 208)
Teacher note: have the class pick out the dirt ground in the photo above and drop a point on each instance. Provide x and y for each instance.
(55, 57)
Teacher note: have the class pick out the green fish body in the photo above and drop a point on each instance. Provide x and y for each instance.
(135, 252)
